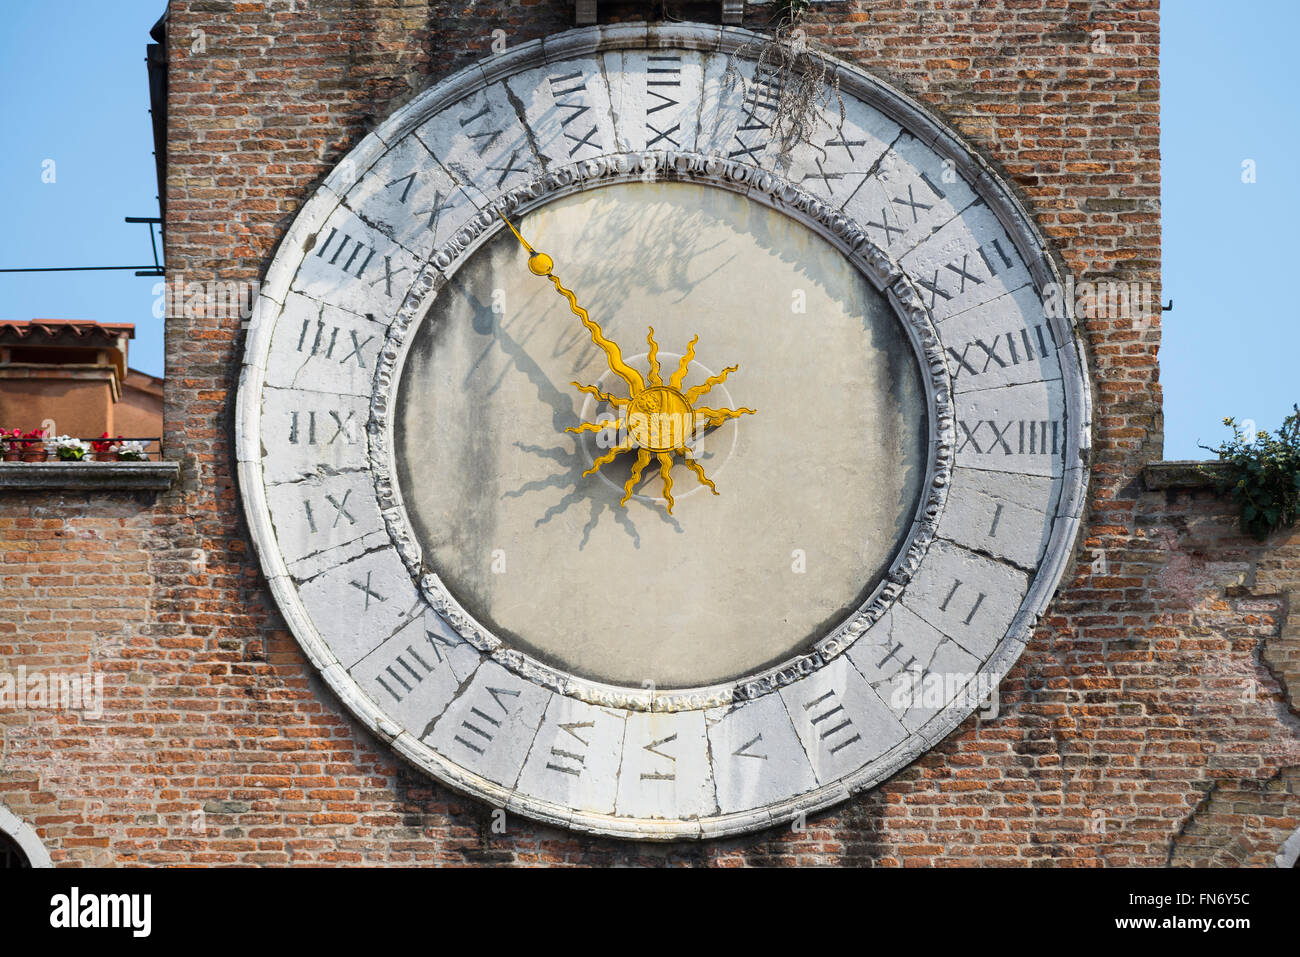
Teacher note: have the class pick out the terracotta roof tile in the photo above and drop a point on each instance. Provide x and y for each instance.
(59, 328)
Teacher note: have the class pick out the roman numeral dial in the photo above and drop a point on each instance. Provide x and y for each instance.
(528, 589)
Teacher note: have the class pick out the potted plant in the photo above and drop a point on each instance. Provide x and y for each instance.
(103, 448)
(130, 451)
(34, 449)
(70, 449)
(11, 444)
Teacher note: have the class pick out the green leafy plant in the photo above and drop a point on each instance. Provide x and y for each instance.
(133, 451)
(70, 449)
(1265, 475)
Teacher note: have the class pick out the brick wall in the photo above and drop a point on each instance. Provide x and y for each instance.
(1144, 719)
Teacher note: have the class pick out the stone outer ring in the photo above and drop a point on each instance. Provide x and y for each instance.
(985, 182)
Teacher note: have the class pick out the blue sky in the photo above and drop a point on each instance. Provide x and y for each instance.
(1232, 343)
(73, 89)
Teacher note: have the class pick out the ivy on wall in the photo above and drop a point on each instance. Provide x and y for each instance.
(1265, 475)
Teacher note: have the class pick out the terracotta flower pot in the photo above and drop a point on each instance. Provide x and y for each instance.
(13, 455)
(36, 455)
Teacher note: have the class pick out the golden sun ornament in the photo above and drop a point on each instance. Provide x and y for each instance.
(655, 420)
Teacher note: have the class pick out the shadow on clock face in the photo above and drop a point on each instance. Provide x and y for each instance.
(817, 489)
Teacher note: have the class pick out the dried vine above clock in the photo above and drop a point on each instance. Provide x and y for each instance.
(801, 78)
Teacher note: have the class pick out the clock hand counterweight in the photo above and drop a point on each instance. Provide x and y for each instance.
(655, 420)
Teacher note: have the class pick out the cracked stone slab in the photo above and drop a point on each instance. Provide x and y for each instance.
(757, 755)
(897, 643)
(315, 343)
(414, 675)
(665, 771)
(841, 721)
(359, 603)
(574, 759)
(897, 650)
(1000, 513)
(654, 98)
(491, 724)
(735, 117)
(309, 434)
(566, 110)
(834, 166)
(482, 143)
(911, 194)
(970, 598)
(966, 263)
(352, 265)
(411, 199)
(1018, 428)
(325, 520)
(1005, 341)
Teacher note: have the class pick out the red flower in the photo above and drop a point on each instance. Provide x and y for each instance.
(104, 443)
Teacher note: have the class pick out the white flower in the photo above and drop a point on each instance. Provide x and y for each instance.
(68, 442)
(129, 451)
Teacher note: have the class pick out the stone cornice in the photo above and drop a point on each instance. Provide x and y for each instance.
(91, 476)
(1184, 474)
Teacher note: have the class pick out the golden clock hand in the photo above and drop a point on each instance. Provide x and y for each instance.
(656, 421)
(531, 251)
(540, 264)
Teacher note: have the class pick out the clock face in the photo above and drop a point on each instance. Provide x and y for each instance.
(624, 467)
(817, 488)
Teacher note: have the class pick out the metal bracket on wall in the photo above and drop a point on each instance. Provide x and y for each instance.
(733, 11)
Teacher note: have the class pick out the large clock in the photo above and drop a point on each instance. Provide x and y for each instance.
(628, 467)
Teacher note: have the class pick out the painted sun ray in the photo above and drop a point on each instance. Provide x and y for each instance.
(540, 264)
(642, 460)
(613, 400)
(665, 473)
(698, 469)
(624, 446)
(718, 416)
(676, 381)
(655, 377)
(598, 426)
(704, 387)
